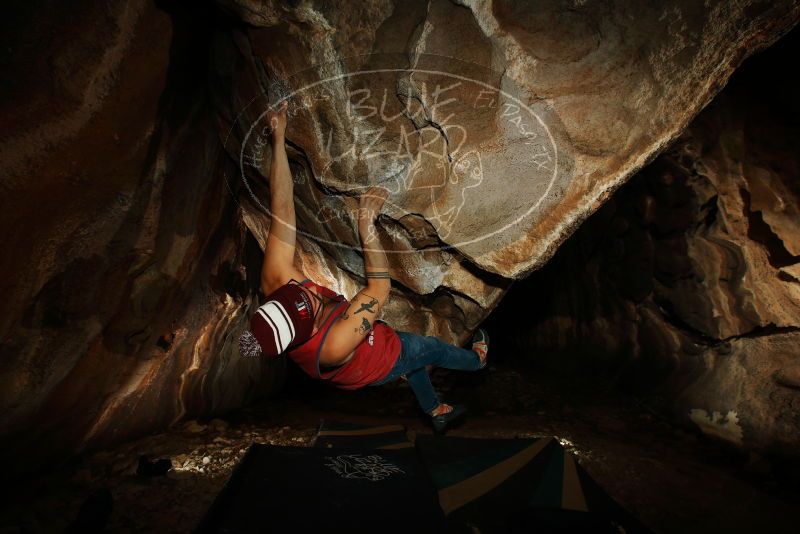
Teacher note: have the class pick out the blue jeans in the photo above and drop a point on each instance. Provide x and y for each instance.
(416, 353)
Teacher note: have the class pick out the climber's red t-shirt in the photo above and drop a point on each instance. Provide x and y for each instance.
(373, 359)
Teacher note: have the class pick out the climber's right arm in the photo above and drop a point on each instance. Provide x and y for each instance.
(278, 267)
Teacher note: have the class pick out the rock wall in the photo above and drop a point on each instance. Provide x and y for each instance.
(687, 279)
(496, 127)
(121, 274)
(133, 164)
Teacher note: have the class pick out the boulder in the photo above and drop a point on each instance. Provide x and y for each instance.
(133, 175)
(682, 283)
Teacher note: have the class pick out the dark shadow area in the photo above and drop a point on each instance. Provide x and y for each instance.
(591, 349)
(596, 308)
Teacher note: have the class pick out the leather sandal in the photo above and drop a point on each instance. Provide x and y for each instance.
(441, 422)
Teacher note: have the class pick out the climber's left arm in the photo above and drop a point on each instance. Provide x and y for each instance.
(278, 267)
(356, 322)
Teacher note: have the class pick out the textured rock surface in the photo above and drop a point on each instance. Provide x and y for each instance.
(685, 278)
(749, 394)
(571, 101)
(122, 251)
(128, 270)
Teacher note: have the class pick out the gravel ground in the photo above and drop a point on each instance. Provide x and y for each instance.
(671, 478)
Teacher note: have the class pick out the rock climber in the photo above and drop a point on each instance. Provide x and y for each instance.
(332, 339)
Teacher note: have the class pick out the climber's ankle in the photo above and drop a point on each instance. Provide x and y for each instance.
(480, 345)
(441, 409)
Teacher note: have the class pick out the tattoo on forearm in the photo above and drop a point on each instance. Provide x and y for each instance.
(368, 306)
(377, 274)
(371, 236)
(365, 326)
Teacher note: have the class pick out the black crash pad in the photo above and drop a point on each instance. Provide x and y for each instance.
(518, 485)
(304, 489)
(336, 434)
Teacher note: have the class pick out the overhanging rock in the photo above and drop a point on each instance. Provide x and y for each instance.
(497, 127)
